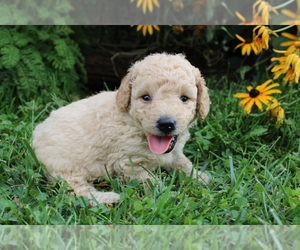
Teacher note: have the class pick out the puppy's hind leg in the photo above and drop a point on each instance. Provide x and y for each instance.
(82, 188)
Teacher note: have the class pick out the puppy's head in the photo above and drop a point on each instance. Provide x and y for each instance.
(163, 93)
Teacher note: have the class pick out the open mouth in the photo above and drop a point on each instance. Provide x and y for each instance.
(161, 144)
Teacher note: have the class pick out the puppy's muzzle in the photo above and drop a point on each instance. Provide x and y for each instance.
(165, 139)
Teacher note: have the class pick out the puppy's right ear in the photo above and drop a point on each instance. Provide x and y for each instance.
(124, 93)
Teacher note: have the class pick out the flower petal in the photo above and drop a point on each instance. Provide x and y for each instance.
(288, 62)
(145, 28)
(272, 91)
(249, 88)
(156, 3)
(277, 67)
(289, 13)
(266, 99)
(239, 45)
(280, 59)
(249, 105)
(290, 36)
(270, 87)
(258, 103)
(138, 4)
(240, 38)
(241, 95)
(150, 6)
(261, 87)
(242, 18)
(243, 102)
(287, 43)
(156, 27)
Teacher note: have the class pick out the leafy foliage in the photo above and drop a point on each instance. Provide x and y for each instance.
(32, 11)
(40, 59)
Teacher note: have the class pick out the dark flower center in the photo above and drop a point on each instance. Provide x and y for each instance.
(254, 93)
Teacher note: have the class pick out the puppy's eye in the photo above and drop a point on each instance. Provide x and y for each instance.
(146, 98)
(184, 98)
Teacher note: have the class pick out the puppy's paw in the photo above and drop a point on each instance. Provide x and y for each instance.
(202, 177)
(104, 197)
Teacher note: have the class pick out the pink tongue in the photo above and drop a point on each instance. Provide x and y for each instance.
(159, 144)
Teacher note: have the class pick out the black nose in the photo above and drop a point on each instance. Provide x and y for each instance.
(166, 125)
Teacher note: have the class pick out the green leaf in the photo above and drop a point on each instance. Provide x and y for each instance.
(5, 37)
(243, 70)
(22, 39)
(10, 56)
(66, 58)
(257, 132)
(138, 205)
(241, 201)
(42, 196)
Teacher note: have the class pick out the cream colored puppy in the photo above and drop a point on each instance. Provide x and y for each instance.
(126, 133)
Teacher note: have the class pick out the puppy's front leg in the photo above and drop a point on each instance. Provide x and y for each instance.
(82, 188)
(182, 163)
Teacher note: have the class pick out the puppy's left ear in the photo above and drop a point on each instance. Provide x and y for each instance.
(124, 93)
(203, 101)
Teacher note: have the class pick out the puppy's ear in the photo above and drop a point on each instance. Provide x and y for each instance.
(124, 93)
(203, 101)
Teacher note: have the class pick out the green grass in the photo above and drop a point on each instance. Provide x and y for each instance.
(149, 237)
(254, 167)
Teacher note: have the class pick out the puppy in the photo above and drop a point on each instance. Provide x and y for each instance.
(126, 133)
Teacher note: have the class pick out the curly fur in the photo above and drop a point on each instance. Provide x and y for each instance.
(107, 133)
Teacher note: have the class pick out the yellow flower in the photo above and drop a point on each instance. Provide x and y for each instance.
(295, 18)
(199, 29)
(145, 4)
(247, 46)
(255, 21)
(294, 44)
(178, 5)
(178, 29)
(260, 40)
(264, 9)
(289, 65)
(276, 111)
(263, 32)
(147, 28)
(260, 13)
(258, 95)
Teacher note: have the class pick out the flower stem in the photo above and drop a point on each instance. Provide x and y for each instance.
(228, 33)
(284, 28)
(283, 4)
(226, 7)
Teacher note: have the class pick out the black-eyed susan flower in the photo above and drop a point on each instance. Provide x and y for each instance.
(146, 4)
(288, 65)
(260, 40)
(258, 96)
(147, 28)
(263, 32)
(293, 44)
(263, 9)
(247, 46)
(276, 111)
